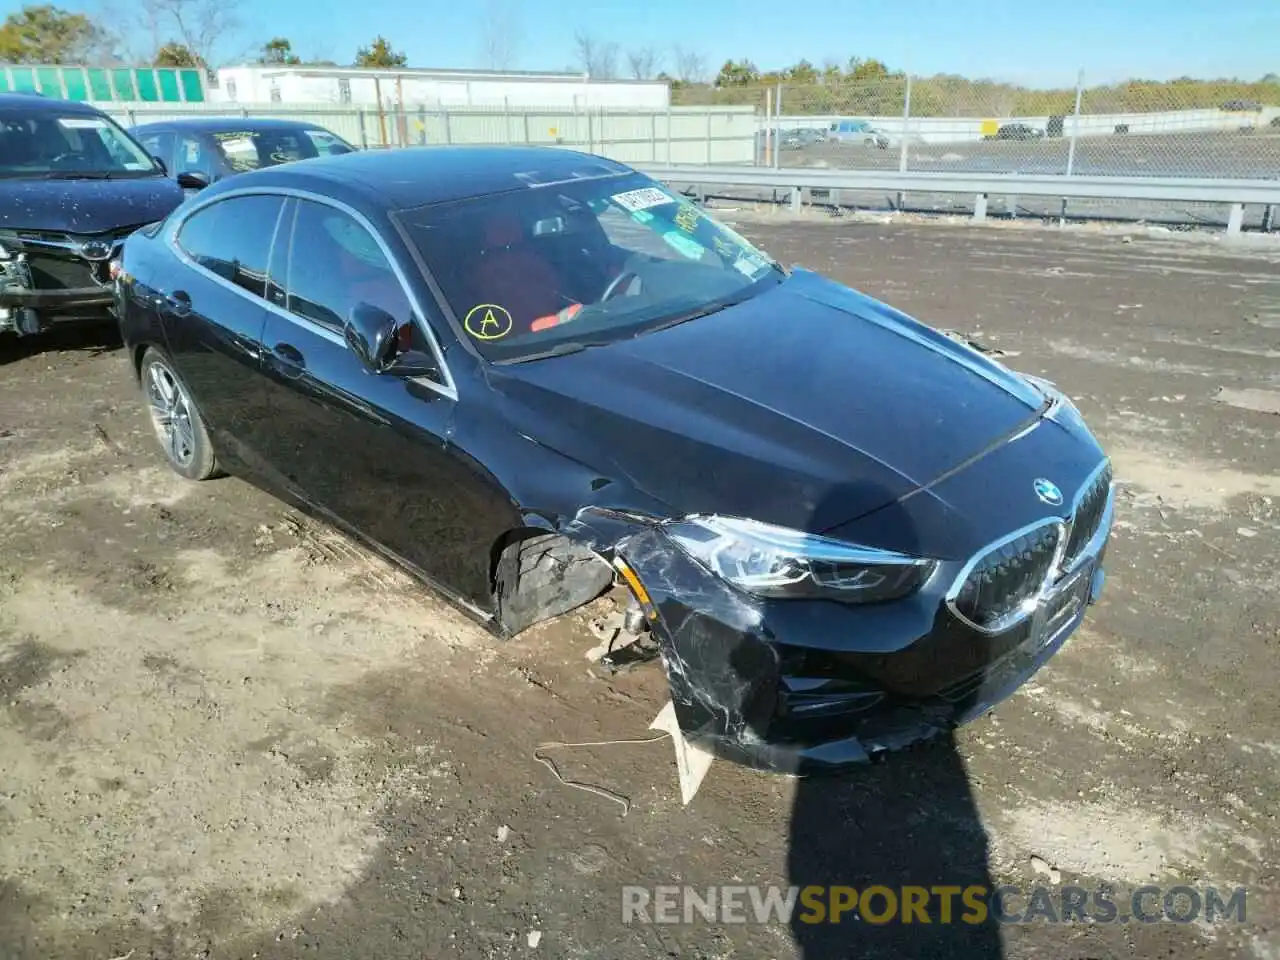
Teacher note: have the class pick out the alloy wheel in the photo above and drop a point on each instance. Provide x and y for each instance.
(170, 414)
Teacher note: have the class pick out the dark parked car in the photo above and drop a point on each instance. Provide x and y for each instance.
(524, 372)
(73, 184)
(1019, 131)
(207, 149)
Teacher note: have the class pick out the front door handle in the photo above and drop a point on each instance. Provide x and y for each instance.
(289, 357)
(178, 302)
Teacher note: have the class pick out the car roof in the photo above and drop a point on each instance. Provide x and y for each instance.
(225, 124)
(401, 179)
(28, 102)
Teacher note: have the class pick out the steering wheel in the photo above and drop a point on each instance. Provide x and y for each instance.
(611, 290)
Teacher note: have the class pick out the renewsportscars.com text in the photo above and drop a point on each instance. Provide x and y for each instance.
(974, 904)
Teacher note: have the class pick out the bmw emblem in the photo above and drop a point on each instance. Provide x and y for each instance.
(1048, 492)
(95, 250)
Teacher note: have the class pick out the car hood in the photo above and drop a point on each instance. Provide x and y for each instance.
(805, 406)
(85, 206)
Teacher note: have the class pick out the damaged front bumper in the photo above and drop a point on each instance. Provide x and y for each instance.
(806, 686)
(27, 307)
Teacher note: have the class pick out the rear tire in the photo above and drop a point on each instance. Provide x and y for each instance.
(178, 426)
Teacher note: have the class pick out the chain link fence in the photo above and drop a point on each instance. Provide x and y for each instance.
(951, 124)
(683, 134)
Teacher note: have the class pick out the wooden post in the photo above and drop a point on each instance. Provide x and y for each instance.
(382, 117)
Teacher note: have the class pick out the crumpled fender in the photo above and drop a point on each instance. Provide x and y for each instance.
(722, 671)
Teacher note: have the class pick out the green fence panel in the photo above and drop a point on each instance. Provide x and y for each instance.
(191, 86)
(49, 81)
(77, 89)
(124, 84)
(146, 81)
(24, 80)
(169, 91)
(99, 84)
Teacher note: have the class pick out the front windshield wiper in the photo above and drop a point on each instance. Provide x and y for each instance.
(692, 315)
(559, 350)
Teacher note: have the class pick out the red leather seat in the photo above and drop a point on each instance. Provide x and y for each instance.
(511, 274)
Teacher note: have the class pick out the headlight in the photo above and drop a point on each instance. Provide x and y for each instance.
(770, 561)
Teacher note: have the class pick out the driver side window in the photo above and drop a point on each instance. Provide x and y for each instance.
(334, 264)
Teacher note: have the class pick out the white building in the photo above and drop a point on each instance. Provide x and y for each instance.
(258, 83)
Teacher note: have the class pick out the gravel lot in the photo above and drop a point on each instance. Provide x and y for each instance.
(225, 731)
(1193, 154)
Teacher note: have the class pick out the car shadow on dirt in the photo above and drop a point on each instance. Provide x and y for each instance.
(889, 831)
(93, 337)
(909, 822)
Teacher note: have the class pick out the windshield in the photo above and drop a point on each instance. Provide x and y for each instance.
(42, 143)
(563, 266)
(250, 149)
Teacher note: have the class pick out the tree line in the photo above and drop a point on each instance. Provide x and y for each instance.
(161, 33)
(870, 87)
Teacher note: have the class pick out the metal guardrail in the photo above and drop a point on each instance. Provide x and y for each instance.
(1234, 193)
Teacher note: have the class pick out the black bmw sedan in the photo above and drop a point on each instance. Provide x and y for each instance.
(528, 374)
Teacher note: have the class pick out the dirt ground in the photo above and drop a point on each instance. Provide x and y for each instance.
(225, 731)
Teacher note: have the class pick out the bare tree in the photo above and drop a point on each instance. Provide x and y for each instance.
(140, 29)
(502, 32)
(691, 66)
(644, 63)
(596, 59)
(202, 25)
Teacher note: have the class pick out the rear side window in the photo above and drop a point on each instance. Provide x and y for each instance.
(232, 238)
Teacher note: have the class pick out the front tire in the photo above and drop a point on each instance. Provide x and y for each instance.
(175, 418)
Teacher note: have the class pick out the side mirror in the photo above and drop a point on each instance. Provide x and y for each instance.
(190, 180)
(164, 168)
(373, 335)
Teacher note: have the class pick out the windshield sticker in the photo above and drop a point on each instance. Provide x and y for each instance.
(725, 248)
(488, 321)
(239, 144)
(247, 135)
(82, 123)
(684, 245)
(687, 217)
(643, 199)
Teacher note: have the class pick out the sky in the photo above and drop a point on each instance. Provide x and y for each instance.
(1036, 42)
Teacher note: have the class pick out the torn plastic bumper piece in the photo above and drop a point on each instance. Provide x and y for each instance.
(806, 687)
